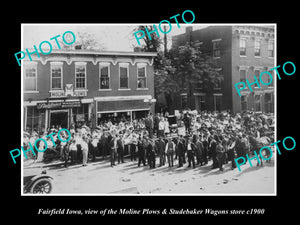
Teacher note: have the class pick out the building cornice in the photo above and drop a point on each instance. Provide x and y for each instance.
(95, 57)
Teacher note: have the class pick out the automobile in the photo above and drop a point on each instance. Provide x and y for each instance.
(37, 183)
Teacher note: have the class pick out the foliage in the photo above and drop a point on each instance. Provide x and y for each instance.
(148, 45)
(84, 40)
(184, 69)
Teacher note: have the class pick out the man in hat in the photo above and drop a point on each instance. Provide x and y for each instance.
(73, 151)
(213, 146)
(85, 150)
(180, 148)
(170, 149)
(151, 152)
(205, 147)
(191, 148)
(149, 124)
(120, 149)
(231, 151)
(187, 122)
(141, 151)
(199, 150)
(220, 151)
(93, 144)
(103, 145)
(161, 151)
(112, 149)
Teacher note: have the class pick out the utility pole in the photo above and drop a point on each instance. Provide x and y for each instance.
(165, 41)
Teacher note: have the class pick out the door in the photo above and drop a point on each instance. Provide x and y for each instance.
(59, 118)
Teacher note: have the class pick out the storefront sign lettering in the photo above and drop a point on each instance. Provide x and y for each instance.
(49, 105)
(58, 105)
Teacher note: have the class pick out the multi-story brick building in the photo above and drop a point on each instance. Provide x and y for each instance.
(240, 52)
(80, 86)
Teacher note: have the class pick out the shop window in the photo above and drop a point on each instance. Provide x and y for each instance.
(80, 115)
(35, 119)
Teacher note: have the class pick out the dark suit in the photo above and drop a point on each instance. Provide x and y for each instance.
(180, 152)
(151, 153)
(120, 150)
(191, 154)
(161, 152)
(141, 153)
(149, 124)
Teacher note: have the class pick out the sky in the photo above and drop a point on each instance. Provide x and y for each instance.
(113, 37)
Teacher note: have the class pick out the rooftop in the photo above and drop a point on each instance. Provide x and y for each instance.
(98, 53)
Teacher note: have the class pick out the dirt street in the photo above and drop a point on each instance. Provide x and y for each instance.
(100, 178)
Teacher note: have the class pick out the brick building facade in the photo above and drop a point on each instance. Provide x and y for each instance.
(240, 52)
(72, 87)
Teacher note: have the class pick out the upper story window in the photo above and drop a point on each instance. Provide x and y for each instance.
(243, 75)
(257, 47)
(141, 75)
(56, 75)
(271, 48)
(80, 75)
(104, 75)
(123, 75)
(256, 74)
(30, 76)
(216, 48)
(242, 47)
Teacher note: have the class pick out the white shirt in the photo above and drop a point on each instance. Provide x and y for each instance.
(84, 146)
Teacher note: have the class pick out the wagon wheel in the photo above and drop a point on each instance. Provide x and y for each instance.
(41, 186)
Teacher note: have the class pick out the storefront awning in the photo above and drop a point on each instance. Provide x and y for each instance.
(127, 105)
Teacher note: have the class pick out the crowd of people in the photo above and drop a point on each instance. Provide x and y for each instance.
(196, 139)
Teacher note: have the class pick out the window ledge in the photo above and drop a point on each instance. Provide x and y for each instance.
(142, 89)
(30, 92)
(109, 89)
(124, 89)
(78, 89)
(56, 90)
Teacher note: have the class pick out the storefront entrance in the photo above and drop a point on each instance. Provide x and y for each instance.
(59, 118)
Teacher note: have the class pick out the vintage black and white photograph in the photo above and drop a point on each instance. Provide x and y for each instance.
(148, 109)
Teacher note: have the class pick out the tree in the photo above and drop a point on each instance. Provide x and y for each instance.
(152, 45)
(84, 40)
(181, 70)
(184, 69)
